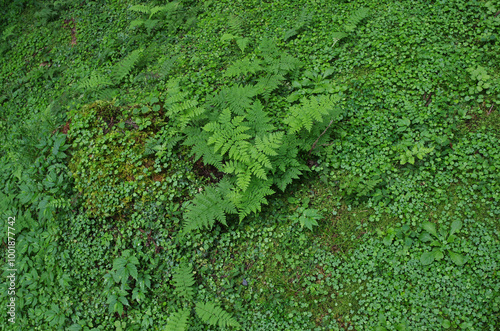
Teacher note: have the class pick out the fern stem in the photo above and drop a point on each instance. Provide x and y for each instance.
(322, 133)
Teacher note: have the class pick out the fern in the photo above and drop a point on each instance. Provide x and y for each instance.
(96, 81)
(313, 109)
(198, 138)
(243, 67)
(126, 65)
(356, 18)
(304, 18)
(167, 66)
(214, 315)
(208, 206)
(252, 199)
(183, 280)
(352, 23)
(178, 321)
(140, 9)
(237, 98)
(268, 84)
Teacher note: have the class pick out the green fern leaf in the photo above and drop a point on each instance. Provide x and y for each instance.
(243, 67)
(126, 65)
(140, 9)
(235, 25)
(252, 199)
(184, 280)
(137, 22)
(178, 321)
(310, 110)
(212, 314)
(242, 43)
(95, 81)
(267, 84)
(356, 18)
(209, 206)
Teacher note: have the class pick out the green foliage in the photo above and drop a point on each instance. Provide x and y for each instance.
(441, 244)
(214, 315)
(178, 321)
(235, 33)
(208, 312)
(183, 281)
(412, 135)
(163, 15)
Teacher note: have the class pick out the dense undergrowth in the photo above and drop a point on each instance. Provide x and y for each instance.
(289, 165)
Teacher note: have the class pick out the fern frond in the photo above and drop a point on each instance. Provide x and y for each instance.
(237, 98)
(167, 66)
(268, 144)
(235, 25)
(252, 199)
(356, 18)
(178, 321)
(302, 21)
(95, 81)
(126, 65)
(284, 64)
(207, 207)
(212, 314)
(141, 9)
(339, 35)
(184, 280)
(313, 109)
(107, 94)
(267, 84)
(198, 138)
(258, 121)
(137, 22)
(243, 67)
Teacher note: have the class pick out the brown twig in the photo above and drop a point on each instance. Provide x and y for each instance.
(490, 110)
(322, 133)
(429, 100)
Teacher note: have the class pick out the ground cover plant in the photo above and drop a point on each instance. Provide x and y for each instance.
(255, 165)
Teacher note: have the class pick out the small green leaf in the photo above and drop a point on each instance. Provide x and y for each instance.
(446, 324)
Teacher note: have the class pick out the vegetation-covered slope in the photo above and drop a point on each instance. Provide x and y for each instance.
(290, 165)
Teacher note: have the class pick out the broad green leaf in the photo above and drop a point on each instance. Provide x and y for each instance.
(435, 243)
(455, 226)
(459, 259)
(425, 236)
(446, 324)
(132, 269)
(438, 254)
(119, 263)
(427, 258)
(430, 227)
